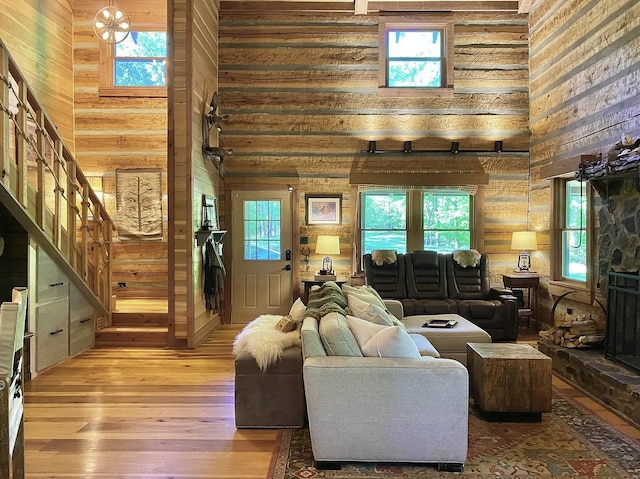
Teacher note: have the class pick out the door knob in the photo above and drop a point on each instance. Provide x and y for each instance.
(287, 267)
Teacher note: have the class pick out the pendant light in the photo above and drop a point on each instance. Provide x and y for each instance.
(111, 24)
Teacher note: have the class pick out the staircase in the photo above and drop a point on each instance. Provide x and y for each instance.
(136, 322)
(43, 188)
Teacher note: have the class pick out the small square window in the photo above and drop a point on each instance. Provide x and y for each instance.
(136, 66)
(415, 57)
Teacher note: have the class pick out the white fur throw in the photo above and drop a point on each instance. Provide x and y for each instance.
(381, 256)
(466, 257)
(263, 341)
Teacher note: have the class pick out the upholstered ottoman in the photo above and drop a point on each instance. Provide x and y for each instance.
(273, 398)
(450, 342)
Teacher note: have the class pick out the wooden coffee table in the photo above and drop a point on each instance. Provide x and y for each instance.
(509, 382)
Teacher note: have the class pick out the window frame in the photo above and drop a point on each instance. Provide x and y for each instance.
(558, 222)
(107, 88)
(414, 227)
(440, 22)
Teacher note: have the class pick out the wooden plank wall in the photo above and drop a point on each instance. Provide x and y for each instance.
(195, 56)
(39, 37)
(301, 93)
(206, 178)
(120, 132)
(585, 65)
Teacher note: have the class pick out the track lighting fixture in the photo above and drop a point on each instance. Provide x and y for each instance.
(372, 147)
(407, 147)
(498, 147)
(455, 147)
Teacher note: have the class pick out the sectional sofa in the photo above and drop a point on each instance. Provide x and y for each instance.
(374, 392)
(428, 282)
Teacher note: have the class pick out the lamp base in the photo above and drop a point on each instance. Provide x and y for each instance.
(524, 262)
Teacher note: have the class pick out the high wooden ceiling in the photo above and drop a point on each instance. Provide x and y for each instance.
(363, 7)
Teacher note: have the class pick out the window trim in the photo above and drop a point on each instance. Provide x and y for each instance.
(558, 210)
(443, 22)
(414, 228)
(108, 89)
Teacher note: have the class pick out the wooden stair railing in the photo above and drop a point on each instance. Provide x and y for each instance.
(43, 187)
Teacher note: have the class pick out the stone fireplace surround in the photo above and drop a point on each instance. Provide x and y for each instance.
(618, 185)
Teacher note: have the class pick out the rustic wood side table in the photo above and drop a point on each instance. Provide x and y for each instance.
(508, 381)
(528, 281)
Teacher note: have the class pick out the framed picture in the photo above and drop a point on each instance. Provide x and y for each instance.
(210, 213)
(324, 209)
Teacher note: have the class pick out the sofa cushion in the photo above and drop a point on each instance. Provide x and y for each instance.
(424, 346)
(383, 341)
(391, 342)
(365, 293)
(337, 338)
(370, 312)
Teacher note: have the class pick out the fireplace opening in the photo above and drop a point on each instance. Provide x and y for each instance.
(622, 343)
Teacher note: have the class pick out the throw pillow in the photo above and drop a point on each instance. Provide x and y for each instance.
(391, 342)
(370, 312)
(336, 336)
(286, 324)
(297, 310)
(364, 294)
(424, 346)
(363, 330)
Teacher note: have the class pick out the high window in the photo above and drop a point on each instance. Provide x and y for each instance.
(416, 220)
(136, 66)
(416, 57)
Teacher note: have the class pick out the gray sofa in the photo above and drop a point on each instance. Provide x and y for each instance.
(428, 282)
(380, 409)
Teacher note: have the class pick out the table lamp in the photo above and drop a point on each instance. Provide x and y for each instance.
(327, 245)
(524, 241)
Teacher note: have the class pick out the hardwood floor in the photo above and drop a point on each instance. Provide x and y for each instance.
(156, 413)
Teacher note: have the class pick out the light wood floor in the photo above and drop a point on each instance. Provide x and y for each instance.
(155, 413)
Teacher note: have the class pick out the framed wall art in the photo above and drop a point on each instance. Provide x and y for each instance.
(324, 209)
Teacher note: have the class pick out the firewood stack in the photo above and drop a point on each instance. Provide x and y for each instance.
(580, 333)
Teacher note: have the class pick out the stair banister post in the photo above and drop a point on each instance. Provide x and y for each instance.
(5, 121)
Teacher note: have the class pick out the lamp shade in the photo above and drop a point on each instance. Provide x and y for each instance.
(524, 240)
(328, 245)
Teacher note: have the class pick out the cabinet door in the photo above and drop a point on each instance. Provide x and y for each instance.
(52, 333)
(81, 322)
(51, 283)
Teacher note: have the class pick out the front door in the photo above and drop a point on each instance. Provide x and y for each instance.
(262, 241)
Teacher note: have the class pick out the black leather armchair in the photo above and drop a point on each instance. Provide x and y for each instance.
(494, 310)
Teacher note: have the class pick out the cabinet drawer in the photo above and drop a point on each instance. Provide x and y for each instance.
(51, 282)
(82, 334)
(52, 333)
(82, 322)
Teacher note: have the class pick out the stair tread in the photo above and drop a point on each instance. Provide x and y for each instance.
(145, 329)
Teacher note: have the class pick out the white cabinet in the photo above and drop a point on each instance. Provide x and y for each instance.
(51, 282)
(52, 333)
(62, 319)
(82, 322)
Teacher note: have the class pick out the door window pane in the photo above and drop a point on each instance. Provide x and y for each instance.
(262, 230)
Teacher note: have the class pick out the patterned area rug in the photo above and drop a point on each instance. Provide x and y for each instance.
(568, 442)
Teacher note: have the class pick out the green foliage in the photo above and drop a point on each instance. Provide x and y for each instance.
(141, 60)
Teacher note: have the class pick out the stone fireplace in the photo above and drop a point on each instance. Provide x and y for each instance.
(613, 376)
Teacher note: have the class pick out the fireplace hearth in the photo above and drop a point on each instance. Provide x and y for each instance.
(622, 342)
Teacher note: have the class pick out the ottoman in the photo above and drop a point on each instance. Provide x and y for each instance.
(273, 398)
(450, 342)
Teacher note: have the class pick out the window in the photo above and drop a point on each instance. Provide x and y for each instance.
(415, 220)
(262, 230)
(416, 57)
(571, 238)
(136, 66)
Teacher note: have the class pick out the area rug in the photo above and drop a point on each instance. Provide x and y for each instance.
(569, 442)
